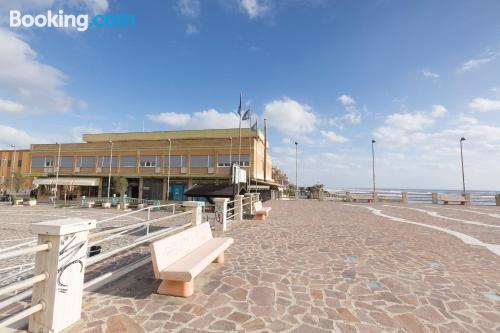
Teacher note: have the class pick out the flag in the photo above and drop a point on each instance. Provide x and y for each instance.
(246, 115)
(239, 107)
(254, 126)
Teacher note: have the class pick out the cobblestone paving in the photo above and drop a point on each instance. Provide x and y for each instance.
(320, 267)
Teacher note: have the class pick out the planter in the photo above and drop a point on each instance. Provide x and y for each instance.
(106, 205)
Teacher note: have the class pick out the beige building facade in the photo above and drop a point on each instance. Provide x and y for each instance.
(157, 165)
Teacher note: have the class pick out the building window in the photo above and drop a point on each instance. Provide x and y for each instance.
(128, 161)
(149, 161)
(104, 161)
(86, 162)
(201, 161)
(41, 162)
(176, 161)
(9, 163)
(223, 160)
(66, 162)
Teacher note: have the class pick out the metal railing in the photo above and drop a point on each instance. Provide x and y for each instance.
(424, 197)
(20, 290)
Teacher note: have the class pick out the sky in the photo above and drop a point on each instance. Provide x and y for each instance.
(415, 76)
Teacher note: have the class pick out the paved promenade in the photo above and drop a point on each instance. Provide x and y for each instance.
(328, 267)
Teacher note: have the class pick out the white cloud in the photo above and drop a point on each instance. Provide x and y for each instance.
(346, 100)
(284, 150)
(352, 116)
(485, 104)
(189, 8)
(77, 132)
(254, 8)
(37, 86)
(429, 73)
(290, 117)
(477, 62)
(191, 29)
(7, 106)
(401, 128)
(91, 6)
(438, 111)
(199, 120)
(171, 118)
(10, 135)
(333, 137)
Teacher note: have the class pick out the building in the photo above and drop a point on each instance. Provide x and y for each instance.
(157, 165)
(12, 161)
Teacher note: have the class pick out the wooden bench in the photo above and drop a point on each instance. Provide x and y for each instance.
(178, 259)
(261, 212)
(454, 198)
(362, 197)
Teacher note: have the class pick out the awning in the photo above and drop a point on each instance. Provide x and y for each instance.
(81, 181)
(212, 190)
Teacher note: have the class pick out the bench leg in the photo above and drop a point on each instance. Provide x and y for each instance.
(260, 217)
(176, 288)
(219, 259)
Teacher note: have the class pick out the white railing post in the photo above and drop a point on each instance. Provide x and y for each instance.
(404, 197)
(497, 199)
(250, 203)
(221, 214)
(238, 207)
(64, 262)
(435, 199)
(196, 207)
(468, 198)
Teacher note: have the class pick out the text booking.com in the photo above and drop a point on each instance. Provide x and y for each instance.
(80, 22)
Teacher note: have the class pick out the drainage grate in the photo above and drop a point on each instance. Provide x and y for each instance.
(373, 285)
(493, 296)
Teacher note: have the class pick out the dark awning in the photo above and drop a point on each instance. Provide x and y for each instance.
(213, 190)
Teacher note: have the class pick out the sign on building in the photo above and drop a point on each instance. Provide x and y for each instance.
(239, 175)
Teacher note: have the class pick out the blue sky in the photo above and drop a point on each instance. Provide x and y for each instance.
(414, 75)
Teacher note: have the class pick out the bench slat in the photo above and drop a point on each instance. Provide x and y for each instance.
(189, 266)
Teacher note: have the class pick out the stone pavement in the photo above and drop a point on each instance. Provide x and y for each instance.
(321, 267)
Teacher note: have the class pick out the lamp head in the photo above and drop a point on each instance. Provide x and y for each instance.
(373, 141)
(296, 143)
(462, 139)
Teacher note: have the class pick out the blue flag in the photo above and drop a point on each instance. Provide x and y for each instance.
(246, 115)
(254, 127)
(239, 107)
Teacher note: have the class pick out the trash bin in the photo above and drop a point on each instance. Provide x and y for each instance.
(94, 250)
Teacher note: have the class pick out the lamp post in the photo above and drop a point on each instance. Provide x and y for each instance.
(373, 165)
(296, 170)
(110, 164)
(168, 173)
(462, 158)
(12, 168)
(57, 172)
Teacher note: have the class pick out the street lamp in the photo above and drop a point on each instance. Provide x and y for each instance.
(462, 158)
(296, 170)
(168, 174)
(57, 172)
(110, 164)
(12, 168)
(373, 165)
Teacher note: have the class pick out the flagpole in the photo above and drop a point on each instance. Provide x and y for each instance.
(250, 150)
(239, 148)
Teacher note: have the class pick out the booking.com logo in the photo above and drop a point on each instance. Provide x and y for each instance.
(79, 22)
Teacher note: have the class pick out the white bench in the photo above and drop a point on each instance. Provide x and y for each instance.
(361, 197)
(454, 198)
(261, 212)
(178, 259)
